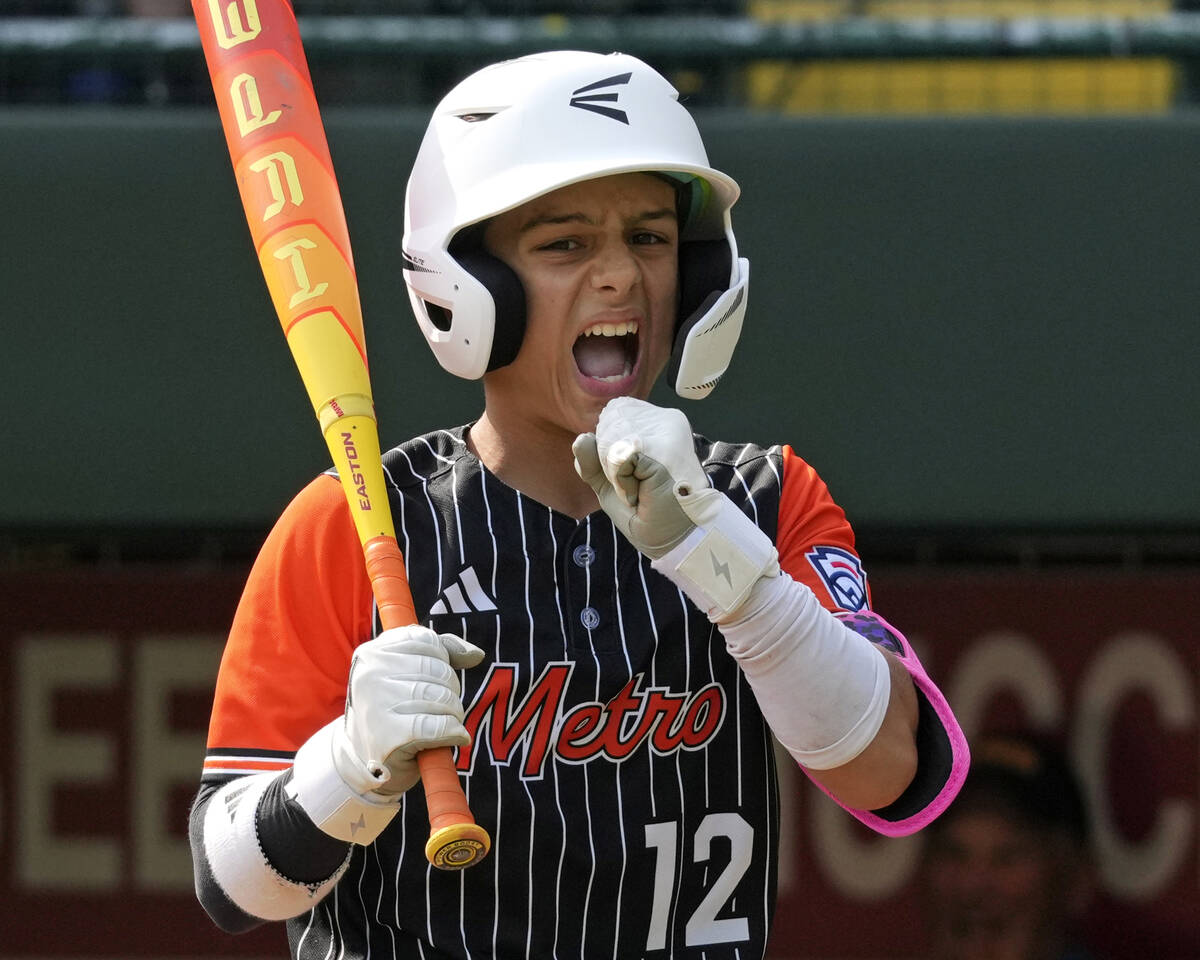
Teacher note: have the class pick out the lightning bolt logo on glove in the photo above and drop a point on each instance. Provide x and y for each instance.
(721, 569)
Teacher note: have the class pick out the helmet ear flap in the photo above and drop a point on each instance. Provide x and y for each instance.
(704, 268)
(508, 295)
(711, 308)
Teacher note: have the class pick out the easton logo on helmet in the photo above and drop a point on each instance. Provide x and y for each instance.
(594, 101)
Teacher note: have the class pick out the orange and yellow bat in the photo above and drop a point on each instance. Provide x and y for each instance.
(292, 202)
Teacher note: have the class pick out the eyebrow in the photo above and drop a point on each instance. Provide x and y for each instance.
(579, 217)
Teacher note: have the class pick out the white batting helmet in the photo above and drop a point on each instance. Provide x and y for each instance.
(522, 128)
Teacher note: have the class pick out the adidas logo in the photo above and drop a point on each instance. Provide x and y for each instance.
(464, 596)
(233, 798)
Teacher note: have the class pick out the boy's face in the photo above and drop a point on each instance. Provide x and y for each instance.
(599, 263)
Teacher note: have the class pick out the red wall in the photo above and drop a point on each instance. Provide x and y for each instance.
(106, 680)
(1106, 661)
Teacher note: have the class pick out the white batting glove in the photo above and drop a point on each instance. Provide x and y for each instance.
(633, 461)
(642, 464)
(403, 697)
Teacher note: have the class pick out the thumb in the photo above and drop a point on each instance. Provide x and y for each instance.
(620, 466)
(587, 462)
(459, 652)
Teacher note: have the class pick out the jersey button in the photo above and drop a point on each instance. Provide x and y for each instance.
(589, 617)
(583, 555)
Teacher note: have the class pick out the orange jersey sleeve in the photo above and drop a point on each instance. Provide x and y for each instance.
(305, 607)
(815, 541)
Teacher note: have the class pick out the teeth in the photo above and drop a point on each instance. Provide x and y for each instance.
(612, 329)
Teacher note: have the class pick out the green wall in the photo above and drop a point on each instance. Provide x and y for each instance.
(967, 321)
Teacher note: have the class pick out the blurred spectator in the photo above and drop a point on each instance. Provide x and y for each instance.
(1008, 872)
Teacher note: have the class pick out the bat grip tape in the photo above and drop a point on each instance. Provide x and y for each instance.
(389, 581)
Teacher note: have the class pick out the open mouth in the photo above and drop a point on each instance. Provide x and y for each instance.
(607, 351)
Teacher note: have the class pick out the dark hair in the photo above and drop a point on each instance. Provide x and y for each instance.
(1026, 777)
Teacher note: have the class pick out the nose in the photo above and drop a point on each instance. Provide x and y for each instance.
(615, 268)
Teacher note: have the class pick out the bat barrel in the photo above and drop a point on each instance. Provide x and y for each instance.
(290, 195)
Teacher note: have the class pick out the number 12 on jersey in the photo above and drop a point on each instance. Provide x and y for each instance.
(702, 926)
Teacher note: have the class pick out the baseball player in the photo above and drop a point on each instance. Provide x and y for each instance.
(618, 617)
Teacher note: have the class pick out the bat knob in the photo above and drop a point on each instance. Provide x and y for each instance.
(457, 846)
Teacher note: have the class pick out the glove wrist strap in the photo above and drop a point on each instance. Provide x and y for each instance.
(334, 806)
(720, 560)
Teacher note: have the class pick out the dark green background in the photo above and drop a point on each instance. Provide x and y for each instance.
(957, 321)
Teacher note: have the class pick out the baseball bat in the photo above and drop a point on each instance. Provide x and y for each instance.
(290, 194)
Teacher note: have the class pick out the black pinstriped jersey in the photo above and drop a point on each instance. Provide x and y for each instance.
(619, 760)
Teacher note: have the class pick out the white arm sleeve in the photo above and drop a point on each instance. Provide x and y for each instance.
(821, 687)
(238, 863)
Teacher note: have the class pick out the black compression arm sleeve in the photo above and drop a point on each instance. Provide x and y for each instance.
(294, 845)
(224, 912)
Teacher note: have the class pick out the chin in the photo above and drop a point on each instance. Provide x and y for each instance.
(583, 414)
